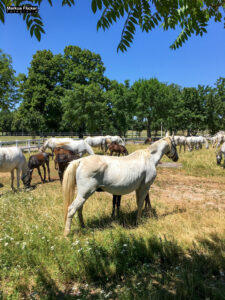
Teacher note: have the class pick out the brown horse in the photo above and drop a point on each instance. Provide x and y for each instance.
(58, 151)
(114, 147)
(63, 160)
(148, 141)
(37, 160)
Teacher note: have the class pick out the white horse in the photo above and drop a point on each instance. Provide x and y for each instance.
(115, 175)
(220, 139)
(116, 139)
(180, 141)
(12, 158)
(78, 147)
(52, 143)
(96, 141)
(196, 142)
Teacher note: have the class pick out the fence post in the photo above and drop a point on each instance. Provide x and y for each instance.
(29, 146)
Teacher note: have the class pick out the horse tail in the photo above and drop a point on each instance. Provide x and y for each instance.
(69, 184)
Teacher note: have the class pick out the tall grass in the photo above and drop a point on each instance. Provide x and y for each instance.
(176, 252)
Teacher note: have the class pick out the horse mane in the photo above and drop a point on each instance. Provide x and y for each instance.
(153, 146)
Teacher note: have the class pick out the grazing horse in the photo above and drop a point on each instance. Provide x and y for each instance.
(116, 139)
(37, 160)
(148, 141)
(62, 160)
(180, 141)
(219, 155)
(96, 141)
(114, 147)
(115, 175)
(12, 158)
(196, 142)
(52, 143)
(58, 151)
(77, 147)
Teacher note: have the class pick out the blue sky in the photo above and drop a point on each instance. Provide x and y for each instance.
(199, 61)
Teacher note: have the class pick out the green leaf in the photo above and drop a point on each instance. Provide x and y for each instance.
(32, 29)
(99, 3)
(94, 6)
(2, 18)
(37, 34)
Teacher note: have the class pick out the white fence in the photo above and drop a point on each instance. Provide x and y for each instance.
(26, 145)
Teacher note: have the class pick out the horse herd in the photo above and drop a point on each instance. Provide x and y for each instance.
(112, 174)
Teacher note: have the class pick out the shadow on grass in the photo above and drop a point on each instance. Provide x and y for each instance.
(128, 219)
(136, 268)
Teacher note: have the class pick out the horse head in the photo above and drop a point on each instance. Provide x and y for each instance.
(26, 178)
(172, 153)
(218, 157)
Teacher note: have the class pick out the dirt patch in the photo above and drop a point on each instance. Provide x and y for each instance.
(183, 190)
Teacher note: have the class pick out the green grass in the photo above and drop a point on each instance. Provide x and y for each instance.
(172, 254)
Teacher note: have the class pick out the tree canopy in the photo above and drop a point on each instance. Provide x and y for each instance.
(69, 92)
(190, 16)
(8, 87)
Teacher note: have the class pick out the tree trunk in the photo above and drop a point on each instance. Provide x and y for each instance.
(149, 133)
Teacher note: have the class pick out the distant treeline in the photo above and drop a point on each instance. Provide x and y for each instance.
(69, 92)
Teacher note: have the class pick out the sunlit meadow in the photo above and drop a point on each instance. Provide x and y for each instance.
(178, 250)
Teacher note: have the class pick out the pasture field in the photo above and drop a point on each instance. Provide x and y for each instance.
(176, 252)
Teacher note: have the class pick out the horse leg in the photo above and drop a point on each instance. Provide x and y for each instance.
(118, 204)
(75, 205)
(39, 172)
(80, 216)
(180, 148)
(114, 205)
(12, 179)
(147, 202)
(43, 166)
(18, 177)
(47, 163)
(141, 193)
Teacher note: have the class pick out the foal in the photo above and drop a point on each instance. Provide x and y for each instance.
(148, 141)
(114, 147)
(58, 151)
(63, 160)
(37, 160)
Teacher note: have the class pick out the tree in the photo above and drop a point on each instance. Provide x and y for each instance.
(83, 67)
(6, 120)
(8, 87)
(220, 97)
(151, 101)
(120, 106)
(212, 111)
(41, 91)
(84, 108)
(193, 111)
(192, 16)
